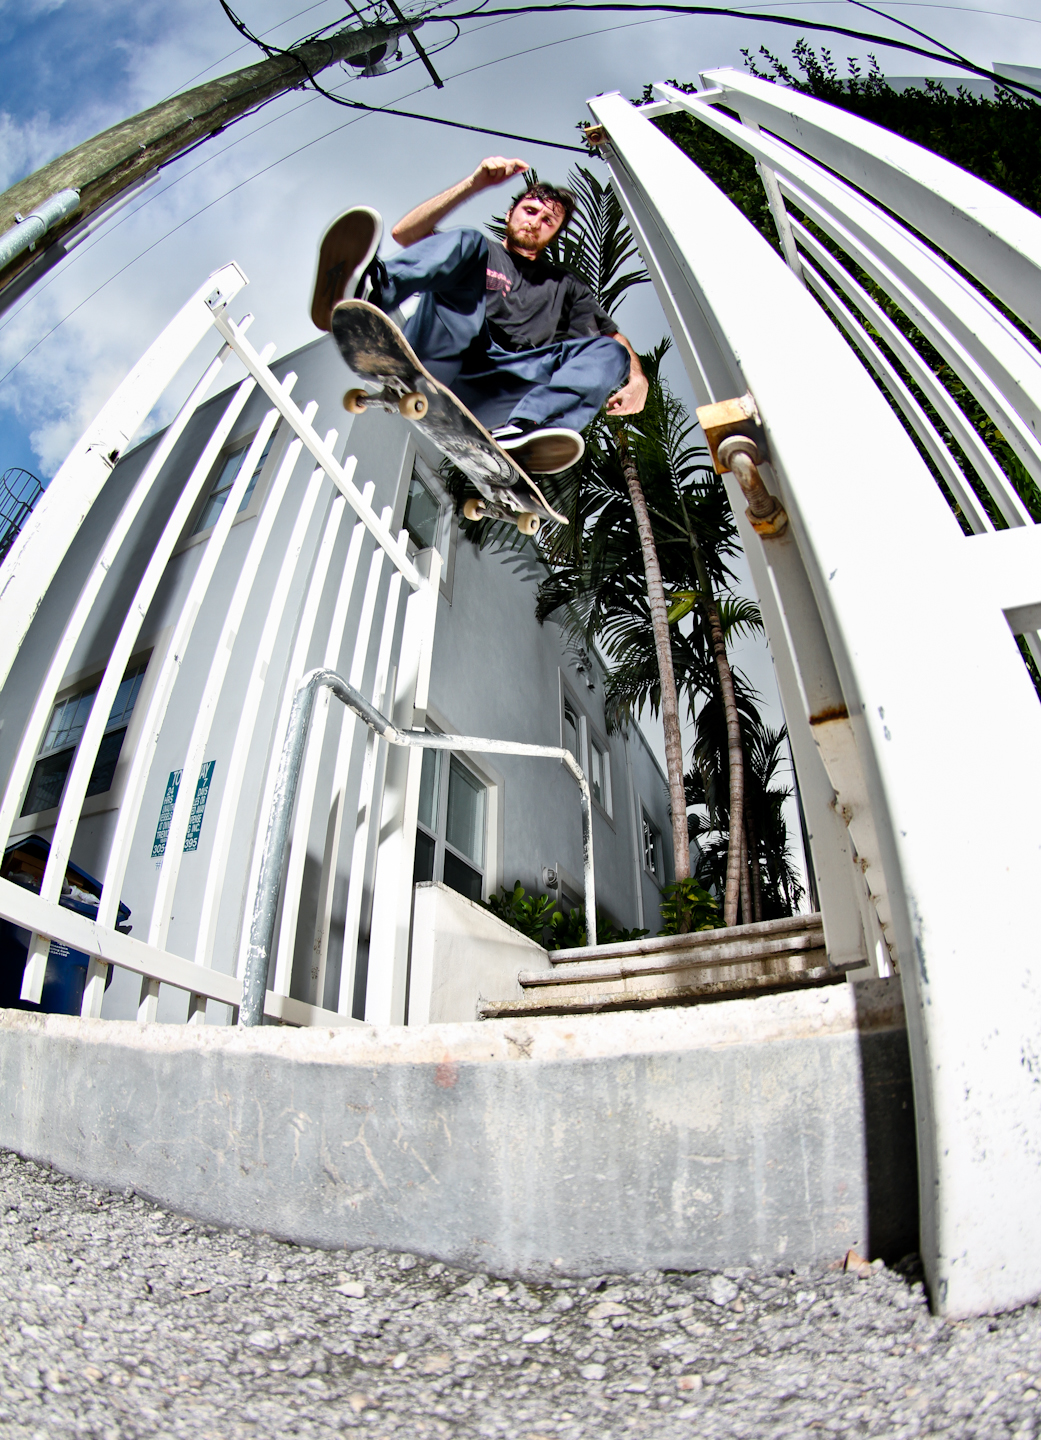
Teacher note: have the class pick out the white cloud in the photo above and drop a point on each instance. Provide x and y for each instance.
(270, 224)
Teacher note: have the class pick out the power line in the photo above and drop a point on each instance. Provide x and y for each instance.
(458, 125)
(500, 17)
(248, 135)
(625, 6)
(248, 180)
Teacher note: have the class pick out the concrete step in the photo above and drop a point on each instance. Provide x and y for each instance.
(771, 956)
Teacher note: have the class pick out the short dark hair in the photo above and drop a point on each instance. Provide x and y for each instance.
(549, 194)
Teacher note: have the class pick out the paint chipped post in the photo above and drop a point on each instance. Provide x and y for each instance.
(736, 441)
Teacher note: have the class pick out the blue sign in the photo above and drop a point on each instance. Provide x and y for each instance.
(202, 792)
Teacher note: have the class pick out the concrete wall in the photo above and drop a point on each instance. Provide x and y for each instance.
(775, 1129)
(462, 954)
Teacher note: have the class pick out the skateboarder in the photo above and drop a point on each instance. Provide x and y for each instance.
(523, 343)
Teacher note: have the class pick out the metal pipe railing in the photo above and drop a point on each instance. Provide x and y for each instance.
(265, 914)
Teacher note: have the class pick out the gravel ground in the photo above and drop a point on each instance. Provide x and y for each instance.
(120, 1319)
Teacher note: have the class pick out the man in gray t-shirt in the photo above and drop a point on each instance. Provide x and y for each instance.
(522, 342)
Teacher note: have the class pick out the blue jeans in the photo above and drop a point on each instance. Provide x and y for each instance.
(563, 383)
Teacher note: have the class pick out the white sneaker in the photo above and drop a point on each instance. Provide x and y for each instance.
(345, 254)
(540, 449)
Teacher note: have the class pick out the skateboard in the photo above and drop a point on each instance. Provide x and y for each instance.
(374, 347)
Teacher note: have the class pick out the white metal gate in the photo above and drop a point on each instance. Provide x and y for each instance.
(316, 590)
(914, 724)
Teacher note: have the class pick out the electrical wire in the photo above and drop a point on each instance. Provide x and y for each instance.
(625, 6)
(861, 5)
(153, 195)
(495, 17)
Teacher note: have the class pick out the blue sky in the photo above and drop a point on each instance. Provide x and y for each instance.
(71, 69)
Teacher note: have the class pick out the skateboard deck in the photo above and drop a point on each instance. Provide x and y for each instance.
(375, 349)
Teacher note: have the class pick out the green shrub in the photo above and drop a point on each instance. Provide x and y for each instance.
(689, 906)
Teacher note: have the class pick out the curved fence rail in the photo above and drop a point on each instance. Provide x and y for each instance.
(887, 372)
(149, 637)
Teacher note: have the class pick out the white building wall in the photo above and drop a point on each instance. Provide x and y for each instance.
(495, 672)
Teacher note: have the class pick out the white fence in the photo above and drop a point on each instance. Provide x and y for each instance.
(306, 588)
(891, 614)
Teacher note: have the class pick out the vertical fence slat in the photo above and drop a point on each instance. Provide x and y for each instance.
(295, 669)
(172, 857)
(392, 887)
(36, 555)
(322, 453)
(140, 766)
(359, 875)
(1010, 506)
(309, 780)
(228, 812)
(359, 846)
(950, 471)
(341, 766)
(50, 889)
(36, 726)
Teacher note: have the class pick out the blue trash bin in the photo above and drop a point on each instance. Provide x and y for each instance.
(66, 974)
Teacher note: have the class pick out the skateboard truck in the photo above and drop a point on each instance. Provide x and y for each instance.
(413, 404)
(527, 522)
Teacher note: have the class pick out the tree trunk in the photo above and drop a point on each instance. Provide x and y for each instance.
(734, 749)
(753, 866)
(670, 713)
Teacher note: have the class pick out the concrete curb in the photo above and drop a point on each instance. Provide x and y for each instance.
(752, 1131)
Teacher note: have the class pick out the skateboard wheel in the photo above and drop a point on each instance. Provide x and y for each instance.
(354, 401)
(473, 509)
(528, 523)
(413, 405)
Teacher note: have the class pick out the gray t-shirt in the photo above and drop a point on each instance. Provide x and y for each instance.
(533, 302)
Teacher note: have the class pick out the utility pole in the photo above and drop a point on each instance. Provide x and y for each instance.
(71, 196)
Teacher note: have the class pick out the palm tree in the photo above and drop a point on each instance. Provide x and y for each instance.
(773, 887)
(598, 246)
(699, 525)
(678, 506)
(694, 533)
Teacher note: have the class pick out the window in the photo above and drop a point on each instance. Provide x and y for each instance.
(571, 738)
(423, 512)
(450, 840)
(228, 467)
(578, 736)
(63, 735)
(652, 851)
(600, 773)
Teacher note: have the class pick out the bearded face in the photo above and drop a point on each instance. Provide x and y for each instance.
(532, 224)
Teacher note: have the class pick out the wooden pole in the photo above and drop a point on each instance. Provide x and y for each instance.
(119, 159)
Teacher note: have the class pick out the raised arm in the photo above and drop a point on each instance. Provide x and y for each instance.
(420, 222)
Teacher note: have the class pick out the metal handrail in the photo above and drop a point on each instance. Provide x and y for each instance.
(262, 931)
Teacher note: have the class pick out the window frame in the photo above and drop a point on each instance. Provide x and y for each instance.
(658, 874)
(278, 445)
(590, 736)
(112, 798)
(415, 462)
(599, 744)
(438, 832)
